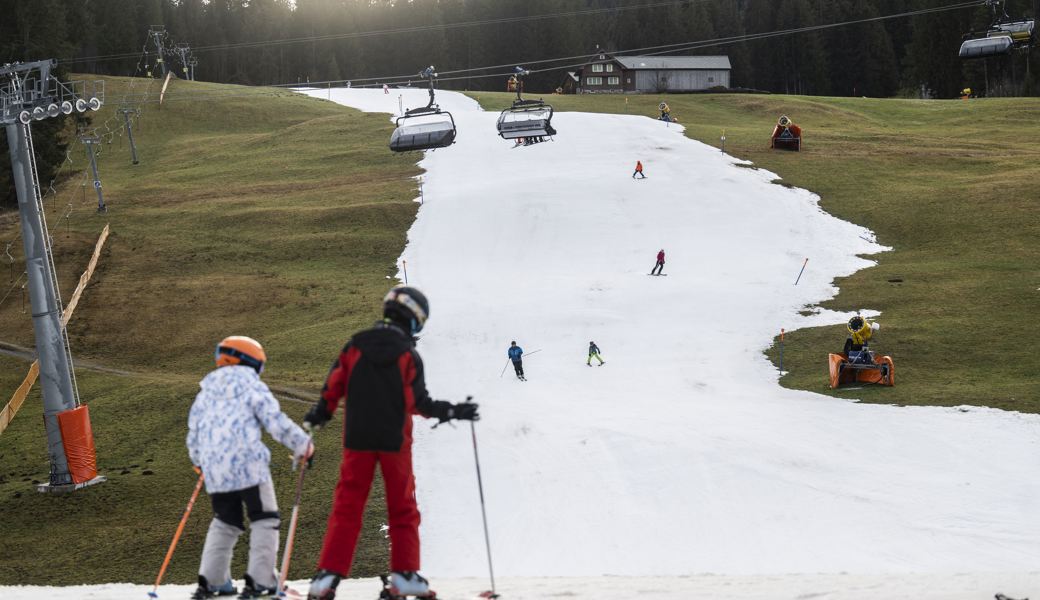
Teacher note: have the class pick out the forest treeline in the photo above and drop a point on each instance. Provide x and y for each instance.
(894, 57)
(910, 56)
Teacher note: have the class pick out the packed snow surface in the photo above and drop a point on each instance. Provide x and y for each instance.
(700, 587)
(682, 454)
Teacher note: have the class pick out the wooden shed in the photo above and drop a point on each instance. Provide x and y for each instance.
(607, 73)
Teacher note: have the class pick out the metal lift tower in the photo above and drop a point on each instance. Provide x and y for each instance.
(29, 93)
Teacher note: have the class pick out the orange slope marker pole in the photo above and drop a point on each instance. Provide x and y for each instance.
(781, 351)
(177, 536)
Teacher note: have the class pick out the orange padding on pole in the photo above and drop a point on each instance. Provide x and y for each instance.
(78, 438)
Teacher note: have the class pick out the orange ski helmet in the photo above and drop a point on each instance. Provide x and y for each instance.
(241, 350)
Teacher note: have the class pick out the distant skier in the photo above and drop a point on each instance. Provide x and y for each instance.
(224, 442)
(660, 263)
(594, 353)
(386, 89)
(515, 353)
(379, 378)
(860, 332)
(639, 170)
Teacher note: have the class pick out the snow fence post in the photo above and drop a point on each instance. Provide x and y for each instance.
(405, 269)
(781, 351)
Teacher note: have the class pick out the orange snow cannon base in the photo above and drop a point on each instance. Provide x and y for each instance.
(881, 372)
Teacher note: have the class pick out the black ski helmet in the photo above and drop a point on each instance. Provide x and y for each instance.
(408, 305)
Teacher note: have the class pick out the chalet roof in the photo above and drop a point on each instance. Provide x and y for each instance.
(636, 63)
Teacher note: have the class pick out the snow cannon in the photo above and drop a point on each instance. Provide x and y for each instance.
(860, 366)
(786, 135)
(666, 112)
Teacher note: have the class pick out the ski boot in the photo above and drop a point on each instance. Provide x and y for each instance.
(252, 590)
(323, 586)
(401, 585)
(205, 590)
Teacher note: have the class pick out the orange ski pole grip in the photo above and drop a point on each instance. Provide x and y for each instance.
(177, 535)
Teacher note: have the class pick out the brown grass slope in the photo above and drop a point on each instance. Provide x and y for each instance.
(254, 212)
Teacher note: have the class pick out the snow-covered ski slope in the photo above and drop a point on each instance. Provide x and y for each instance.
(680, 469)
(682, 454)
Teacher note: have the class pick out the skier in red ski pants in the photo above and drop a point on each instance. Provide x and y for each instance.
(379, 379)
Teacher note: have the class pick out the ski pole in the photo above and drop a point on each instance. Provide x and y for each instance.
(802, 271)
(177, 536)
(504, 368)
(290, 537)
(483, 514)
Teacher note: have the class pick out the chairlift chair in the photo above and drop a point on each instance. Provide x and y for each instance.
(525, 118)
(1003, 36)
(424, 128)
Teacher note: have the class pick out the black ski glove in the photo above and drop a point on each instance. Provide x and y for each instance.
(466, 412)
(316, 417)
(446, 411)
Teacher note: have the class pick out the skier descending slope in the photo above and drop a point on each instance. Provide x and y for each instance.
(594, 353)
(659, 266)
(515, 353)
(379, 377)
(224, 441)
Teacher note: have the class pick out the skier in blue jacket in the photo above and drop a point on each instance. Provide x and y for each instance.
(515, 353)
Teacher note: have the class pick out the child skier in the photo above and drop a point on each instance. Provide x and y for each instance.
(594, 353)
(659, 267)
(379, 378)
(639, 170)
(224, 442)
(515, 353)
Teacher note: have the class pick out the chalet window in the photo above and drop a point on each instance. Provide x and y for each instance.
(597, 68)
(628, 80)
(711, 80)
(613, 80)
(610, 68)
(594, 81)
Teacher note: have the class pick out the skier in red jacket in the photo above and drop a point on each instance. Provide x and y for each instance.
(639, 170)
(660, 263)
(379, 378)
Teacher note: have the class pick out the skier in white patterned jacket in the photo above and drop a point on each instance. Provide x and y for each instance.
(224, 429)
